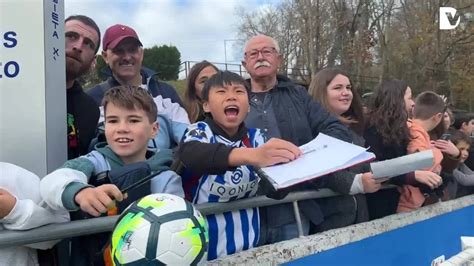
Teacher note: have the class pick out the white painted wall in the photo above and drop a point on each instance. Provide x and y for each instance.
(32, 102)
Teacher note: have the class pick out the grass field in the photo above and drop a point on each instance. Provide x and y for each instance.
(179, 85)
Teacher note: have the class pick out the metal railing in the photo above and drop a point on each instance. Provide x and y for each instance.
(106, 224)
(185, 67)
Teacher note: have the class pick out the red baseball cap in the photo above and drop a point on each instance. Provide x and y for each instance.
(115, 34)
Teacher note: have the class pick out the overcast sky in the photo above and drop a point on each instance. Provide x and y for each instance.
(197, 28)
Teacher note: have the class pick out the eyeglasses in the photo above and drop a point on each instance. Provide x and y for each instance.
(266, 52)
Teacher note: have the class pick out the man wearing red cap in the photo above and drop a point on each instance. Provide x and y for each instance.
(123, 53)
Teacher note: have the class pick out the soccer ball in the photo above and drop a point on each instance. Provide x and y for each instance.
(160, 229)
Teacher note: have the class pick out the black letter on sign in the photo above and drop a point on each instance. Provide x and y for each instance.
(9, 36)
(16, 69)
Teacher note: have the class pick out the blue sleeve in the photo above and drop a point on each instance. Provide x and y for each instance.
(84, 164)
(170, 132)
(163, 138)
(167, 182)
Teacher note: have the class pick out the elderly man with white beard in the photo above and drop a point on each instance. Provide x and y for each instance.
(283, 109)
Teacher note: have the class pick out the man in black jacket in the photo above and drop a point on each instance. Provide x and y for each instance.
(283, 109)
(82, 37)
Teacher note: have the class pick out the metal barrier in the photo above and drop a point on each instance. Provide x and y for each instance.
(106, 224)
(356, 240)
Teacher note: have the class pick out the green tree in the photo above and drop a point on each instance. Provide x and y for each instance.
(165, 60)
(373, 41)
(100, 67)
(95, 75)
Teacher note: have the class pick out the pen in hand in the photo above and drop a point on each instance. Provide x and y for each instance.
(310, 150)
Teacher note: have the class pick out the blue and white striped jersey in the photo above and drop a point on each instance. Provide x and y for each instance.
(234, 231)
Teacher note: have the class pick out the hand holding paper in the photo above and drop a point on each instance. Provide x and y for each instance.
(274, 151)
(370, 184)
(321, 156)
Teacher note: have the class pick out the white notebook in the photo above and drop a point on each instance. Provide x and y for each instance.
(321, 156)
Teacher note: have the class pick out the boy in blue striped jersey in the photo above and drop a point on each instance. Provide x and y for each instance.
(219, 155)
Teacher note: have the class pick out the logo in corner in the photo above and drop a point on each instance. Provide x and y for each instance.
(447, 18)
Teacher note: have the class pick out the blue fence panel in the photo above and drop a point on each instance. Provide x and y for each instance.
(415, 244)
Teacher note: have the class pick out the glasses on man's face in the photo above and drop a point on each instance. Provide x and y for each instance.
(266, 52)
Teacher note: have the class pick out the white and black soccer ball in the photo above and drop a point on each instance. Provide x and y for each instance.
(160, 229)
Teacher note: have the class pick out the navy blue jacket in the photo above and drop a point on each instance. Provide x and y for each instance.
(155, 87)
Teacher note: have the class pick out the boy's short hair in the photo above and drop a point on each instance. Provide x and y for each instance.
(458, 136)
(462, 117)
(130, 98)
(428, 104)
(222, 78)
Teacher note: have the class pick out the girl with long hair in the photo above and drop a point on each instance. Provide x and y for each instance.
(198, 75)
(387, 136)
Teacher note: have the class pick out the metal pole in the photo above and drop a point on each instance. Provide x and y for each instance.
(57, 231)
(106, 224)
(298, 218)
(186, 69)
(225, 54)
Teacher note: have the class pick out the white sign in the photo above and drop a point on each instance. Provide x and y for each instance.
(32, 84)
(446, 17)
